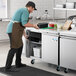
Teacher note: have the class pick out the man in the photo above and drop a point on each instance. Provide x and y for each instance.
(15, 30)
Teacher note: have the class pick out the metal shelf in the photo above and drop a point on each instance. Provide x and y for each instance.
(61, 9)
(36, 42)
(64, 9)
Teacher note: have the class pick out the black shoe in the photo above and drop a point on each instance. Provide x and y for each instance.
(21, 65)
(11, 70)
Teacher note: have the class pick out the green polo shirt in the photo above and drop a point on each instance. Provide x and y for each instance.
(21, 15)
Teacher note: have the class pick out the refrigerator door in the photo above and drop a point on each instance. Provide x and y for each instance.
(68, 52)
(50, 48)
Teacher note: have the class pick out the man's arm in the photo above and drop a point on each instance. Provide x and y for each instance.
(31, 25)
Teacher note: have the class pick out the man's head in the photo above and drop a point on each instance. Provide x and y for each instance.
(31, 6)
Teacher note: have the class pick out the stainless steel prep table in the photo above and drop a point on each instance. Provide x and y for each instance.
(65, 55)
(68, 50)
(49, 45)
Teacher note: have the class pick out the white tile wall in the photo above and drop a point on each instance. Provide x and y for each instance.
(42, 5)
(3, 26)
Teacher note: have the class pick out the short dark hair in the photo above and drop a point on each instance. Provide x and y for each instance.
(32, 4)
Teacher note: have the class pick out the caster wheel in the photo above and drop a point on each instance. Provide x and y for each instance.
(32, 61)
(58, 68)
(66, 70)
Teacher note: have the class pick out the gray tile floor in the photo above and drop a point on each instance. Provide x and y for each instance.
(4, 47)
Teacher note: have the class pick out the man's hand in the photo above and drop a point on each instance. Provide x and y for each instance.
(26, 36)
(35, 26)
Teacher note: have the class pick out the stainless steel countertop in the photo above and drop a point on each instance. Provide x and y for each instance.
(59, 32)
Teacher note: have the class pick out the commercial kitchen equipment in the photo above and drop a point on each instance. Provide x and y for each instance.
(50, 48)
(48, 42)
(68, 50)
(57, 47)
(34, 40)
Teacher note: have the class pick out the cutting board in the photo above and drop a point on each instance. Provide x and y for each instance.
(67, 25)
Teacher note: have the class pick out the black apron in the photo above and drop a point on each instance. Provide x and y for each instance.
(17, 33)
